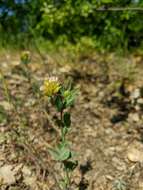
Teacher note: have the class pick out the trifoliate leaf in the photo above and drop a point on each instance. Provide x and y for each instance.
(60, 153)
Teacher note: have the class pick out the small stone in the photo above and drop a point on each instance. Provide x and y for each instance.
(31, 181)
(77, 177)
(89, 155)
(135, 152)
(6, 105)
(110, 151)
(137, 107)
(135, 94)
(30, 102)
(140, 101)
(109, 177)
(26, 171)
(28, 177)
(1, 163)
(7, 175)
(65, 69)
(140, 185)
(119, 164)
(18, 168)
(15, 63)
(134, 117)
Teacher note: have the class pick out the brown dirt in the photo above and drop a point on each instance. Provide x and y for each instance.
(105, 125)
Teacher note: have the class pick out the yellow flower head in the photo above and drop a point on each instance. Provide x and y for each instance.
(25, 57)
(51, 86)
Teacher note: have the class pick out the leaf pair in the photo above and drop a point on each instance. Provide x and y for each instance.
(60, 153)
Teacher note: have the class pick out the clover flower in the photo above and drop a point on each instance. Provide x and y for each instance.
(51, 86)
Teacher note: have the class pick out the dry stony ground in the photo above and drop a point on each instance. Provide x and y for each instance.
(107, 123)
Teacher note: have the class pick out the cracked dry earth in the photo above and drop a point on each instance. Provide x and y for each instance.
(106, 129)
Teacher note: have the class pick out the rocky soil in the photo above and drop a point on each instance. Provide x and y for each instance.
(107, 124)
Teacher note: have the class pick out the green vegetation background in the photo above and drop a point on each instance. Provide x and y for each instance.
(48, 23)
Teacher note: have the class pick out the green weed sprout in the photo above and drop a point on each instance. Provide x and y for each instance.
(25, 57)
(120, 184)
(62, 98)
(25, 60)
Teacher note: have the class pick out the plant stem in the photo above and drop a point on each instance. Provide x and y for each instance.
(68, 179)
(62, 127)
(61, 115)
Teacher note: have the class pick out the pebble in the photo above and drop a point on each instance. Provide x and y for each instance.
(119, 164)
(7, 175)
(140, 101)
(26, 171)
(134, 117)
(135, 94)
(135, 152)
(6, 105)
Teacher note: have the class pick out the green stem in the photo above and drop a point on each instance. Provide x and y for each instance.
(62, 127)
(27, 73)
(67, 179)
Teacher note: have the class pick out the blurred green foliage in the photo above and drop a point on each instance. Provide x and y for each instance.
(74, 21)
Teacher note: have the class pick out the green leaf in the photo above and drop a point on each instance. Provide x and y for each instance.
(120, 184)
(69, 96)
(67, 119)
(59, 103)
(62, 184)
(60, 153)
(54, 154)
(70, 165)
(64, 132)
(64, 154)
